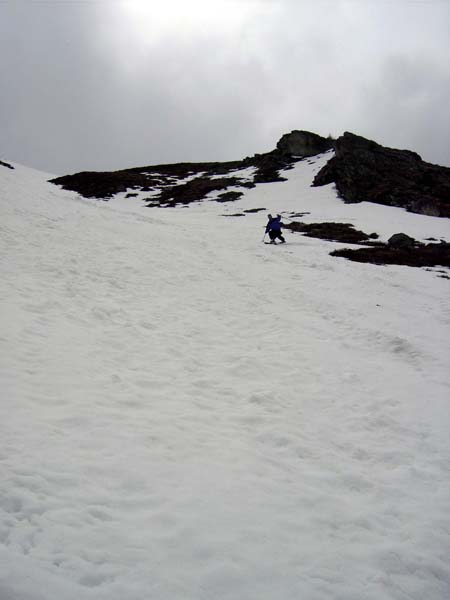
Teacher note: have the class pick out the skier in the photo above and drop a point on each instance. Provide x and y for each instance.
(273, 228)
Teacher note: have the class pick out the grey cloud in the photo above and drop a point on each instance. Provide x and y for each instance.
(81, 91)
(408, 106)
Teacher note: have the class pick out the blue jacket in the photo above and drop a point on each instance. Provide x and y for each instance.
(274, 224)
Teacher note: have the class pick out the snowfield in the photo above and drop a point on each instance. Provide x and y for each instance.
(189, 414)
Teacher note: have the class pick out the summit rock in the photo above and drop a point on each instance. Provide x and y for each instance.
(304, 143)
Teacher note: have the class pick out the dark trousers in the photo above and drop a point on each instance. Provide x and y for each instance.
(275, 234)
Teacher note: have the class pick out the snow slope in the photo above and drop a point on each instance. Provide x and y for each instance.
(187, 413)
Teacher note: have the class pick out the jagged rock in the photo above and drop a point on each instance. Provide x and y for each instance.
(304, 143)
(401, 240)
(366, 171)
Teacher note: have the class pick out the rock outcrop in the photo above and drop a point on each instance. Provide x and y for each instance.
(304, 143)
(401, 240)
(366, 171)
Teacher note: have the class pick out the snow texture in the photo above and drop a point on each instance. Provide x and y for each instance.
(187, 413)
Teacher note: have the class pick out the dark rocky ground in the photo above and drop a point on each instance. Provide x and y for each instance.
(399, 250)
(197, 189)
(332, 232)
(5, 164)
(167, 179)
(422, 255)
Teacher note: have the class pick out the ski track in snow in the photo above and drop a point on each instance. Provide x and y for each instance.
(188, 413)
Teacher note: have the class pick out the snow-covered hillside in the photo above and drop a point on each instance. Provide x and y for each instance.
(187, 413)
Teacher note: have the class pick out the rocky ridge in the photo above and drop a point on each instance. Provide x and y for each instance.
(183, 183)
(361, 170)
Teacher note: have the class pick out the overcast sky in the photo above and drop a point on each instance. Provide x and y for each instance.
(108, 84)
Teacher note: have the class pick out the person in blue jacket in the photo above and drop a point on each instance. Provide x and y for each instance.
(273, 228)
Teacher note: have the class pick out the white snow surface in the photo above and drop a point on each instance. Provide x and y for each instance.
(187, 413)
